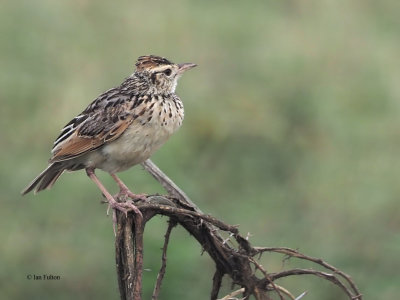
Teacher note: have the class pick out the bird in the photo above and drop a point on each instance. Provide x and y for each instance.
(121, 128)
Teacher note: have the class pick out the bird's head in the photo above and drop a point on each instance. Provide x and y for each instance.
(162, 74)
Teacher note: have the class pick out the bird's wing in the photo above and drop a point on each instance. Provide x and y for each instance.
(103, 121)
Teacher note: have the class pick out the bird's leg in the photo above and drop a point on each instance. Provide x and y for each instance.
(124, 190)
(121, 206)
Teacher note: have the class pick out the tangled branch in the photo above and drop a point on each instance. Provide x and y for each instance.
(233, 256)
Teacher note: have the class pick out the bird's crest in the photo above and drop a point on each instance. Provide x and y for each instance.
(150, 61)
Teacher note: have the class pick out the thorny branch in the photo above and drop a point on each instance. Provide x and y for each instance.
(161, 273)
(233, 256)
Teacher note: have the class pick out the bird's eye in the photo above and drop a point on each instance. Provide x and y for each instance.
(168, 72)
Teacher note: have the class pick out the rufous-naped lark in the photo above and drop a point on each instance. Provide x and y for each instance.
(120, 128)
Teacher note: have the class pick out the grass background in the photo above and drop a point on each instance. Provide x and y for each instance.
(292, 130)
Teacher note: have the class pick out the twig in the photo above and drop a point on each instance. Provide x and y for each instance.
(171, 224)
(119, 259)
(168, 184)
(125, 257)
(294, 253)
(139, 228)
(217, 280)
(233, 294)
(169, 210)
(285, 291)
(301, 295)
(266, 275)
(330, 277)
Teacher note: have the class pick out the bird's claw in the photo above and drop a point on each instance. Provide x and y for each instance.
(123, 194)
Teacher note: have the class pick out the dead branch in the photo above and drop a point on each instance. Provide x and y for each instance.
(233, 256)
(161, 273)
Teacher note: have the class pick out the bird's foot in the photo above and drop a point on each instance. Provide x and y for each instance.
(123, 207)
(127, 193)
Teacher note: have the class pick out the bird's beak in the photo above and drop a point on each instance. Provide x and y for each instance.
(185, 66)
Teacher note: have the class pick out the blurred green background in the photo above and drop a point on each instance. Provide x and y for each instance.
(292, 130)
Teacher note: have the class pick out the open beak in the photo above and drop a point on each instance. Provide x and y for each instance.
(185, 66)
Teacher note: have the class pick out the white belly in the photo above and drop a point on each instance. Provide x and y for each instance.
(134, 146)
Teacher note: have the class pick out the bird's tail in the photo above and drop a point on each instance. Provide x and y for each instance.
(45, 179)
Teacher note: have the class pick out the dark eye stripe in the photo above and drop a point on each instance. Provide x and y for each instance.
(166, 70)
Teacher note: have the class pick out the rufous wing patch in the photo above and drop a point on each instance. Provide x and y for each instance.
(77, 145)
